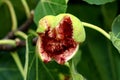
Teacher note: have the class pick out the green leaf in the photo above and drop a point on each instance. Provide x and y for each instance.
(117, 63)
(7, 17)
(109, 12)
(98, 60)
(37, 70)
(72, 64)
(76, 59)
(116, 41)
(102, 57)
(98, 2)
(115, 34)
(0, 2)
(116, 26)
(49, 7)
(67, 1)
(8, 68)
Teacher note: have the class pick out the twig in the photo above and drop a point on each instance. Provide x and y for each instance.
(24, 27)
(11, 35)
(26, 7)
(12, 13)
(19, 43)
(17, 60)
(12, 48)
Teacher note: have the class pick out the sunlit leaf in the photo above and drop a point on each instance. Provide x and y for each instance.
(67, 1)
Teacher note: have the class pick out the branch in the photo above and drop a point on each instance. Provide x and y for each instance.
(12, 48)
(11, 35)
(19, 43)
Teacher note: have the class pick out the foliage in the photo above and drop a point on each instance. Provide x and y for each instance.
(98, 2)
(98, 57)
(115, 34)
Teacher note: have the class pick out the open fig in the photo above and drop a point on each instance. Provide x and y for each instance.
(59, 37)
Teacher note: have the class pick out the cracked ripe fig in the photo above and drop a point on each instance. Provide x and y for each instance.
(59, 37)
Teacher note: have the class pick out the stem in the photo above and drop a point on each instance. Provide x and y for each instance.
(97, 29)
(8, 42)
(18, 62)
(27, 10)
(13, 42)
(32, 32)
(12, 12)
(71, 67)
(26, 61)
(14, 55)
(22, 34)
(37, 74)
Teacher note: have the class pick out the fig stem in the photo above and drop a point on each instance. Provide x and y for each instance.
(17, 60)
(32, 32)
(12, 13)
(97, 29)
(26, 7)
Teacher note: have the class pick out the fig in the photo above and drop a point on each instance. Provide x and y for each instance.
(59, 37)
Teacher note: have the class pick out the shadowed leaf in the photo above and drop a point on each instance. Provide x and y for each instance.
(115, 34)
(49, 7)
